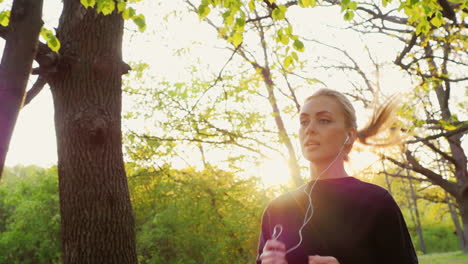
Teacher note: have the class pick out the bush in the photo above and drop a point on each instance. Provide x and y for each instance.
(437, 238)
(30, 221)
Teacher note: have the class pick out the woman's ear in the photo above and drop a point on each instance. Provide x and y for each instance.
(351, 136)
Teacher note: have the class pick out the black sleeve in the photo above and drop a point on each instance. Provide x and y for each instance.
(264, 233)
(393, 241)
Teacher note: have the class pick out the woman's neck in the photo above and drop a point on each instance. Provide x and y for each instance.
(335, 170)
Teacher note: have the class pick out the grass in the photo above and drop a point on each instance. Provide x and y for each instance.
(444, 258)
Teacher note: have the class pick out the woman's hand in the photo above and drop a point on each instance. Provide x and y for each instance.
(274, 252)
(322, 260)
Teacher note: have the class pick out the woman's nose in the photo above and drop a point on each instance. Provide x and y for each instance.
(310, 128)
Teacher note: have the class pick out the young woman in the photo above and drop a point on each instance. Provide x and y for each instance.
(334, 218)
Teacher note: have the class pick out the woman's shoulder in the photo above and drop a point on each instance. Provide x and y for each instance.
(374, 195)
(289, 199)
(371, 188)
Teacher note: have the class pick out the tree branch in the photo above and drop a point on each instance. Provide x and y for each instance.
(408, 177)
(447, 134)
(411, 43)
(35, 89)
(432, 176)
(437, 150)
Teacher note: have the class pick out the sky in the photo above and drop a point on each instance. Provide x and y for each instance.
(33, 140)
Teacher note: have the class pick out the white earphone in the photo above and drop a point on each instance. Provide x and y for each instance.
(346, 140)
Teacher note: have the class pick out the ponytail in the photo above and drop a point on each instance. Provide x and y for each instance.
(381, 123)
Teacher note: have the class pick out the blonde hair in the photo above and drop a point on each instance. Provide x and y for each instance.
(379, 122)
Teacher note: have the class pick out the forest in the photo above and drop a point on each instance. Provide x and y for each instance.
(175, 124)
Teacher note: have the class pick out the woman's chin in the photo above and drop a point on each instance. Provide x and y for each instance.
(317, 158)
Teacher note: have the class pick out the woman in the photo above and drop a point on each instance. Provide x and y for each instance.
(334, 218)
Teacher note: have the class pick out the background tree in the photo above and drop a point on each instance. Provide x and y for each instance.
(97, 224)
(434, 55)
(18, 55)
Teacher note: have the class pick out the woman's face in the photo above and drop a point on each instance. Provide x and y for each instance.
(322, 129)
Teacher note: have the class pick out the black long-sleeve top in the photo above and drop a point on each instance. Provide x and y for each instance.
(354, 221)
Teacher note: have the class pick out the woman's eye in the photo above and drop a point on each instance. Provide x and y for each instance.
(324, 121)
(304, 122)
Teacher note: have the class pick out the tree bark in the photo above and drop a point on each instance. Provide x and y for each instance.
(456, 221)
(415, 209)
(97, 225)
(463, 204)
(20, 49)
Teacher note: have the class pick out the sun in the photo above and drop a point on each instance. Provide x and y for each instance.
(274, 171)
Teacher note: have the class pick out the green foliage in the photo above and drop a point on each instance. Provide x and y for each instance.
(4, 18)
(456, 257)
(106, 7)
(298, 45)
(279, 13)
(307, 3)
(139, 20)
(29, 206)
(202, 115)
(52, 41)
(190, 216)
(438, 238)
(348, 7)
(88, 3)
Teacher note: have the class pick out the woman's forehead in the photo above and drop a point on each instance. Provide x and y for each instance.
(319, 105)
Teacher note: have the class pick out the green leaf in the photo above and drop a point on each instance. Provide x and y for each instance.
(279, 12)
(105, 7)
(236, 38)
(385, 2)
(447, 125)
(140, 22)
(252, 5)
(344, 5)
(203, 11)
(228, 17)
(304, 3)
(88, 3)
(128, 13)
(352, 5)
(288, 30)
(5, 18)
(281, 37)
(349, 15)
(240, 22)
(298, 45)
(294, 56)
(288, 61)
(437, 20)
(423, 27)
(52, 41)
(121, 6)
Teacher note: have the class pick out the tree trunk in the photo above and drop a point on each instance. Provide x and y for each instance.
(97, 225)
(463, 205)
(293, 165)
(387, 180)
(455, 219)
(414, 202)
(19, 52)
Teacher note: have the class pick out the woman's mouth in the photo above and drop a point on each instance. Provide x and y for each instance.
(311, 145)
